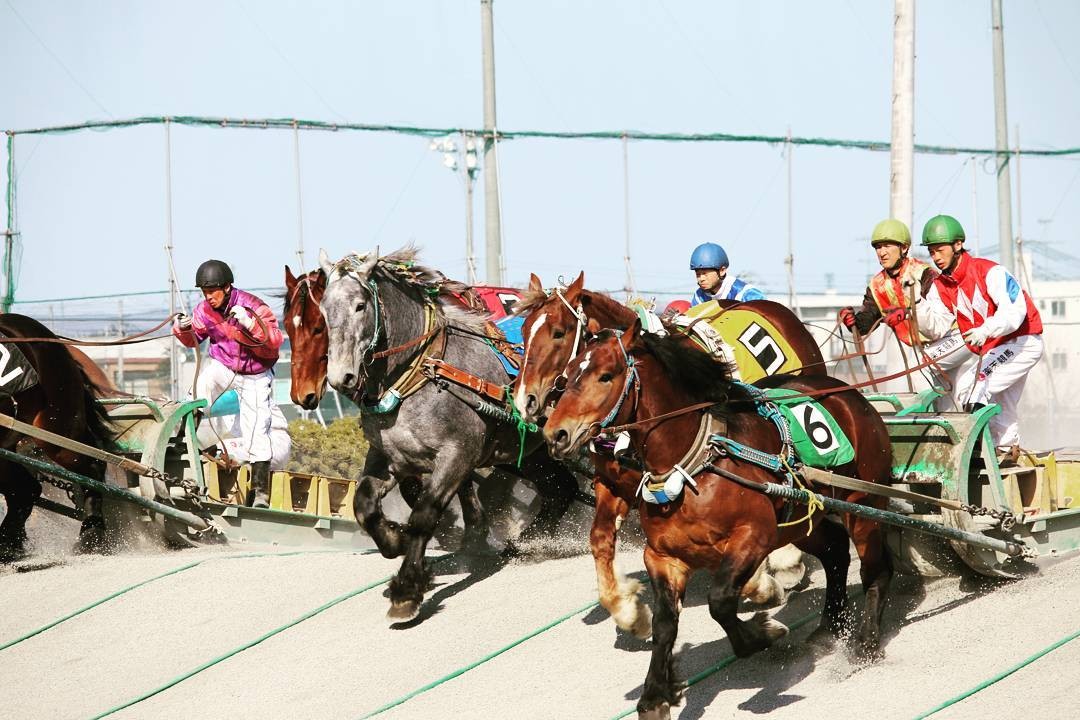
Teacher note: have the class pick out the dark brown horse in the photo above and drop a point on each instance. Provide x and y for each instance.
(551, 332)
(717, 524)
(61, 401)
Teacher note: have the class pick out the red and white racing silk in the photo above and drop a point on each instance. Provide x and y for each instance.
(981, 293)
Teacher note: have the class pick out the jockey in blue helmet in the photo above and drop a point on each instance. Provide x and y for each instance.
(710, 263)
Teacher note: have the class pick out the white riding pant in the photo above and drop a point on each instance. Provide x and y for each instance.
(256, 405)
(1000, 378)
(226, 431)
(951, 354)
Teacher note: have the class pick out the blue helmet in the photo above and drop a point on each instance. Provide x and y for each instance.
(708, 256)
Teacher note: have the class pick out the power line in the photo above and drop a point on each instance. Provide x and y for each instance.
(504, 135)
(59, 62)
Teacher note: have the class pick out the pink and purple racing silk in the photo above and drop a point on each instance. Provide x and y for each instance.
(245, 352)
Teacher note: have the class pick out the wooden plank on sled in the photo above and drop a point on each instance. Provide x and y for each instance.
(824, 477)
(77, 447)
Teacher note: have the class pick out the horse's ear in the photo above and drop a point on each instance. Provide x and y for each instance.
(634, 331)
(534, 284)
(370, 260)
(324, 262)
(577, 285)
(593, 326)
(290, 279)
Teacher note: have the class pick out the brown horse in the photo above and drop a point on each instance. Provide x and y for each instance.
(717, 524)
(551, 331)
(62, 400)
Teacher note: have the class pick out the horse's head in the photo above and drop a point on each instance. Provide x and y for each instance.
(599, 381)
(306, 328)
(350, 305)
(552, 333)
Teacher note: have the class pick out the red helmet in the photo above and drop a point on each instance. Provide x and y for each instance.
(677, 306)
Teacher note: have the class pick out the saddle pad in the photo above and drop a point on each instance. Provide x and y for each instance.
(16, 372)
(510, 326)
(819, 441)
(758, 347)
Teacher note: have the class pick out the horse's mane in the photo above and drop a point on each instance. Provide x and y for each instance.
(532, 299)
(303, 291)
(687, 365)
(401, 268)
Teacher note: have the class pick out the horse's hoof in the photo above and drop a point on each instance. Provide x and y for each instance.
(403, 611)
(92, 537)
(11, 552)
(772, 629)
(823, 637)
(642, 627)
(660, 712)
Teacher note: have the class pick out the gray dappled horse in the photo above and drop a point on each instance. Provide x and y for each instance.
(375, 307)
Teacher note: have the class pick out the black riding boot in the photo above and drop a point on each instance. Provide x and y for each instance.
(259, 496)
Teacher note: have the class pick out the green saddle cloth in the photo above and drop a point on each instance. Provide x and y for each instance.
(819, 441)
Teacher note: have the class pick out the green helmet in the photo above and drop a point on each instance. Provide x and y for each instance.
(942, 229)
(891, 230)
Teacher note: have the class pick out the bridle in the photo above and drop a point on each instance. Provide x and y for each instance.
(630, 379)
(581, 329)
(350, 265)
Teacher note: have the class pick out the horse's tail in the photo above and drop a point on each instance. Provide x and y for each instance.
(99, 426)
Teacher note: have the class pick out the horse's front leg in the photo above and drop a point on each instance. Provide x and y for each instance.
(619, 595)
(473, 516)
(744, 553)
(555, 485)
(408, 586)
(92, 533)
(388, 535)
(662, 689)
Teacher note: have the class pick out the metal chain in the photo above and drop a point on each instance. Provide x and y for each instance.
(1006, 519)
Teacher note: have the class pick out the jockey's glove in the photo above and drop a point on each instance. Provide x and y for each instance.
(243, 316)
(977, 336)
(895, 317)
(847, 317)
(182, 322)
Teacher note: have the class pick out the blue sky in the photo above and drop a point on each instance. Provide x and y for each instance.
(92, 204)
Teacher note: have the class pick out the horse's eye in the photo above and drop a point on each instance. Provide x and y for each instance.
(359, 307)
(318, 330)
(558, 334)
(605, 378)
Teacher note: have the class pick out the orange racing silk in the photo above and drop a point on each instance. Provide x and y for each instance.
(889, 293)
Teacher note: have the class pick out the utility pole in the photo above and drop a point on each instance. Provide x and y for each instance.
(9, 233)
(793, 302)
(902, 148)
(174, 376)
(630, 291)
(493, 230)
(1021, 270)
(299, 199)
(120, 352)
(470, 170)
(975, 204)
(1001, 144)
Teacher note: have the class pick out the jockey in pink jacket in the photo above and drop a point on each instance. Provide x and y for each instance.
(244, 339)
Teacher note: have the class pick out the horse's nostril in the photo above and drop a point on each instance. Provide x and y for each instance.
(309, 402)
(530, 404)
(349, 381)
(562, 439)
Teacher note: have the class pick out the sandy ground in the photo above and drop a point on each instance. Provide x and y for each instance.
(942, 639)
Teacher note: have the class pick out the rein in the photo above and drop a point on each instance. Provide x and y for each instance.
(805, 394)
(128, 340)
